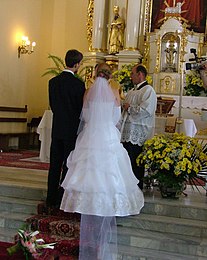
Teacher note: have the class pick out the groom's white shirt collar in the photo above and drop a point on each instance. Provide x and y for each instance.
(67, 70)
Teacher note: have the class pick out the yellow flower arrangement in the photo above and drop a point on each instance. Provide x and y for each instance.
(194, 84)
(123, 76)
(173, 159)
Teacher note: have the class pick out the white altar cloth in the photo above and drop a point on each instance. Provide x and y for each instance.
(191, 108)
(187, 126)
(44, 130)
(191, 102)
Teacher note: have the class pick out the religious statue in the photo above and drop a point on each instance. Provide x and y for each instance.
(116, 33)
(176, 9)
(173, 11)
(170, 56)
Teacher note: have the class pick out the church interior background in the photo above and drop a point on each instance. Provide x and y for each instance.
(165, 36)
(168, 37)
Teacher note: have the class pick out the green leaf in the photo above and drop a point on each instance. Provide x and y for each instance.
(59, 66)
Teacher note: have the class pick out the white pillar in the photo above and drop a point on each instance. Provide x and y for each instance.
(132, 24)
(98, 25)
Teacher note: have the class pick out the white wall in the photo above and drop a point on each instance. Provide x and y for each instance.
(56, 26)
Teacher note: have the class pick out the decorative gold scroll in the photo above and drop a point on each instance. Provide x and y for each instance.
(146, 55)
(184, 40)
(89, 23)
(158, 43)
(148, 16)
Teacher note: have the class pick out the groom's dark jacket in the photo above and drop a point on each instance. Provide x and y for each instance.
(66, 100)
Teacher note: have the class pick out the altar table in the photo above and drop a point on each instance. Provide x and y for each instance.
(44, 130)
(192, 108)
(187, 126)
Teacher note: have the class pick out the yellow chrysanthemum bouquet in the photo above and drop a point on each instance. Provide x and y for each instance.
(194, 84)
(173, 159)
(123, 76)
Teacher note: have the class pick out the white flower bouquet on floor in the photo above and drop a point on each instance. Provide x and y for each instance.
(29, 244)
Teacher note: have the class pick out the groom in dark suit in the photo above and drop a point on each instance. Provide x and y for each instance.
(66, 99)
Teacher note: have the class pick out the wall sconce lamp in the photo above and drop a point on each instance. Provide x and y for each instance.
(25, 47)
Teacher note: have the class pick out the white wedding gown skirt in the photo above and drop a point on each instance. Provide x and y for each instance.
(100, 180)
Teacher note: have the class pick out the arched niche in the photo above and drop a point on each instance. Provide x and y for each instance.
(170, 48)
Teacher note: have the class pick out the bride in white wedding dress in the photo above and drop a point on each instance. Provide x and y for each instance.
(100, 183)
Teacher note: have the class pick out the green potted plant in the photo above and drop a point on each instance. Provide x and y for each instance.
(173, 160)
(59, 66)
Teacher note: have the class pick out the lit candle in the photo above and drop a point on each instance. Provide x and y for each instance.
(27, 42)
(33, 45)
(24, 40)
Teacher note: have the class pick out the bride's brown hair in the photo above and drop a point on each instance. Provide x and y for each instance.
(104, 71)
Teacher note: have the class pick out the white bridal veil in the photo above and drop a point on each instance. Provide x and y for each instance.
(98, 233)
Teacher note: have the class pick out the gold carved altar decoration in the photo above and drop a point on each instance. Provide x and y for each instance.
(145, 60)
(174, 11)
(167, 50)
(158, 43)
(148, 16)
(89, 76)
(167, 84)
(89, 24)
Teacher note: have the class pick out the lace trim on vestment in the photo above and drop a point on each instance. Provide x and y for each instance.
(134, 134)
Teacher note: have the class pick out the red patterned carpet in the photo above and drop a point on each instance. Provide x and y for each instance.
(3, 252)
(47, 255)
(57, 226)
(22, 159)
